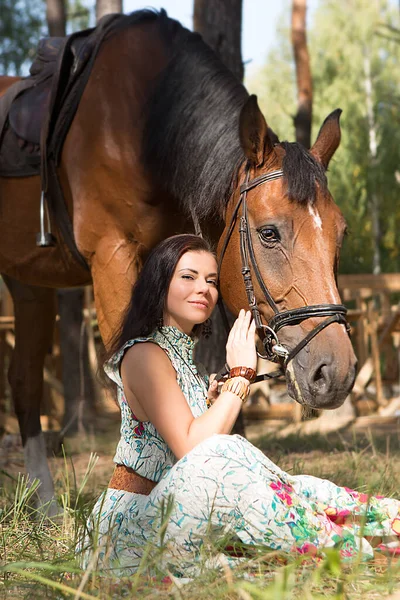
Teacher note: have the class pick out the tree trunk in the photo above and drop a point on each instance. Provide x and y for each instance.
(303, 118)
(373, 199)
(105, 7)
(56, 17)
(220, 24)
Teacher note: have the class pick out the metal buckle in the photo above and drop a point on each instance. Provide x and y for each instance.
(273, 351)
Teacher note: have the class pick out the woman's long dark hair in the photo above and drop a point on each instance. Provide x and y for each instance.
(149, 293)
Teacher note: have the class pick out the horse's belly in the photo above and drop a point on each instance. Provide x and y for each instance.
(20, 258)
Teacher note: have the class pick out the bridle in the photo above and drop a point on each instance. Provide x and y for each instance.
(268, 334)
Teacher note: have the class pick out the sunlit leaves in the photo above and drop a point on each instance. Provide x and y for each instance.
(340, 35)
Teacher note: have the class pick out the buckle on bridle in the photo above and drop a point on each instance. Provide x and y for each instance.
(274, 351)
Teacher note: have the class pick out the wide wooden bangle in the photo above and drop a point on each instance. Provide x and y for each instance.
(245, 372)
(238, 387)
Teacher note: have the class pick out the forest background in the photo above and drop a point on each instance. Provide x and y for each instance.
(354, 49)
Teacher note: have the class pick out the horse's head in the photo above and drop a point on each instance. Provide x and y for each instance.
(296, 231)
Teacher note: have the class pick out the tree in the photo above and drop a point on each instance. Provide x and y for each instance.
(303, 118)
(78, 16)
(56, 17)
(105, 7)
(220, 24)
(355, 69)
(21, 27)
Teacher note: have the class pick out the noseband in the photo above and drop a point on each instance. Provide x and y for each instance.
(273, 349)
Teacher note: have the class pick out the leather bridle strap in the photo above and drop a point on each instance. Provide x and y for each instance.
(295, 316)
(335, 313)
(333, 319)
(250, 184)
(247, 233)
(229, 232)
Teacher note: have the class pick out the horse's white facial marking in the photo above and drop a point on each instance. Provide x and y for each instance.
(320, 245)
(316, 218)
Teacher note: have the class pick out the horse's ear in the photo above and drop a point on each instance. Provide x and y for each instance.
(254, 133)
(328, 138)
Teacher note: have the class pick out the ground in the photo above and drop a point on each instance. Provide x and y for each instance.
(37, 559)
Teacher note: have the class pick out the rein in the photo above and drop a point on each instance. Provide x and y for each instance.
(273, 350)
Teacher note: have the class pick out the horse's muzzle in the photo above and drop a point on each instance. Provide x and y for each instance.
(322, 385)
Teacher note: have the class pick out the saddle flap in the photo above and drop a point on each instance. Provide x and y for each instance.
(28, 111)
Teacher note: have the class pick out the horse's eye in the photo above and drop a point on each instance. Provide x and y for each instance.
(269, 234)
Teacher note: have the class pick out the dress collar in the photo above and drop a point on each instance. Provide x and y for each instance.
(180, 341)
(177, 336)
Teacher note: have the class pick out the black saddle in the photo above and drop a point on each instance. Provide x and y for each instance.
(29, 109)
(36, 113)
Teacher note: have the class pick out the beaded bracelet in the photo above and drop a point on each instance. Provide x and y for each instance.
(245, 372)
(237, 387)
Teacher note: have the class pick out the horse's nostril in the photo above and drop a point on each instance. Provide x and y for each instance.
(320, 377)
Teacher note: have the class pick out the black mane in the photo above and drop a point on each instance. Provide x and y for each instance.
(301, 171)
(191, 136)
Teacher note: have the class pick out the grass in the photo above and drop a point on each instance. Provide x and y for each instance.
(38, 559)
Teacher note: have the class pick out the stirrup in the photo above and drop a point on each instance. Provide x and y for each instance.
(44, 239)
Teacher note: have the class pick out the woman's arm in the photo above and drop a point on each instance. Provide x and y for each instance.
(149, 377)
(148, 374)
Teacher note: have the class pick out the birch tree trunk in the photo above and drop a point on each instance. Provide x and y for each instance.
(373, 198)
(303, 118)
(105, 7)
(56, 17)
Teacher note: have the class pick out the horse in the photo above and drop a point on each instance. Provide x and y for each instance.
(165, 136)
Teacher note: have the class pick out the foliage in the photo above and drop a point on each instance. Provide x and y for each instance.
(78, 16)
(341, 37)
(23, 23)
(21, 26)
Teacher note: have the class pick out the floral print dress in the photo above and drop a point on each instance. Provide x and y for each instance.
(223, 486)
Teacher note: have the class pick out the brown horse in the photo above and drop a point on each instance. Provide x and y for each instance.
(165, 134)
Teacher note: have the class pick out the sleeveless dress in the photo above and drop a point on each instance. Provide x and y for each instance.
(224, 486)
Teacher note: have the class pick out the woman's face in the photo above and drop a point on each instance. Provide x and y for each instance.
(192, 293)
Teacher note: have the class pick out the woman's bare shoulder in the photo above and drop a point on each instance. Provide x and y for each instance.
(146, 356)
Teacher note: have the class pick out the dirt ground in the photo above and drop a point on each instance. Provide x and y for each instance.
(365, 436)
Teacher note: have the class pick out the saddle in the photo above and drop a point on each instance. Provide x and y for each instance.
(32, 107)
(28, 110)
(37, 111)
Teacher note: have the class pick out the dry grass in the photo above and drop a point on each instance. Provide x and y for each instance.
(38, 558)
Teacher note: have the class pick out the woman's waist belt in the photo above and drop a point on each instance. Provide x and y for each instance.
(126, 479)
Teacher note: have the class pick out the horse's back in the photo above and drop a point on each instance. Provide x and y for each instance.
(7, 81)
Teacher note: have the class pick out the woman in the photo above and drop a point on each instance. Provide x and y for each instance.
(180, 479)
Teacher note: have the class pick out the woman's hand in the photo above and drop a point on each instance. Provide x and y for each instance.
(241, 345)
(213, 392)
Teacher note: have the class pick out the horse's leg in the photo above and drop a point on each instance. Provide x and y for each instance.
(79, 395)
(34, 309)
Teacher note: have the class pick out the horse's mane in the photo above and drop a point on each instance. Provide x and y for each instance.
(191, 136)
(301, 171)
